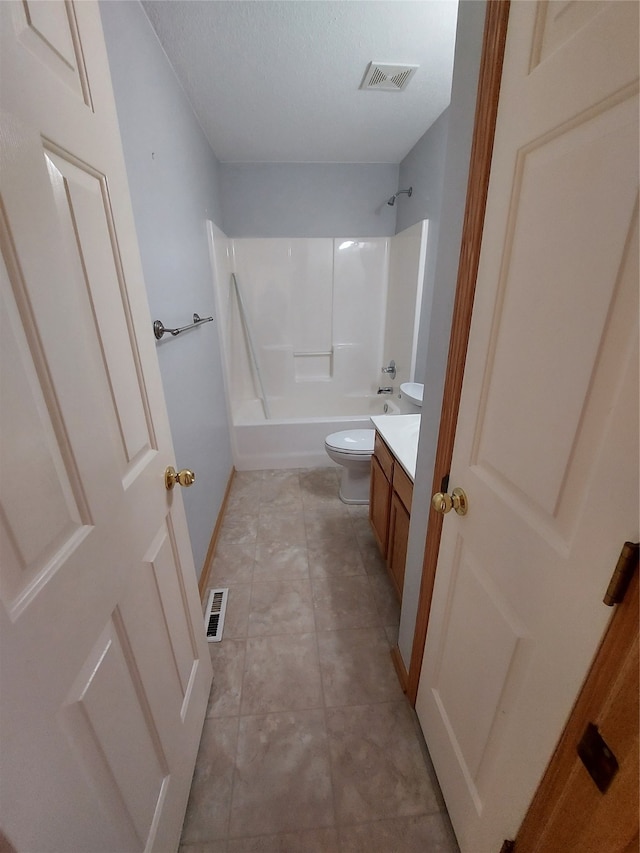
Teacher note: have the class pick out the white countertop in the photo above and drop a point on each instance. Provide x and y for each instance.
(401, 434)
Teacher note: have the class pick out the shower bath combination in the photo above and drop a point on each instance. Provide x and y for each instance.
(393, 198)
(324, 314)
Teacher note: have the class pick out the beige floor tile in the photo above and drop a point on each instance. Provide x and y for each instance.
(238, 528)
(246, 485)
(232, 564)
(281, 475)
(281, 491)
(424, 834)
(356, 667)
(373, 560)
(335, 558)
(343, 602)
(208, 847)
(236, 621)
(362, 528)
(319, 486)
(281, 674)
(333, 525)
(281, 607)
(378, 769)
(243, 479)
(296, 561)
(280, 562)
(385, 597)
(280, 528)
(282, 779)
(358, 510)
(392, 636)
(207, 817)
(247, 500)
(309, 841)
(227, 660)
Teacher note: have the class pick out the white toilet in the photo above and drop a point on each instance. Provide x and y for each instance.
(353, 449)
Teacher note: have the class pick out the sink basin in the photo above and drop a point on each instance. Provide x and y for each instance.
(412, 391)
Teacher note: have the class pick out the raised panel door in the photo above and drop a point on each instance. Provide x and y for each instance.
(547, 440)
(104, 666)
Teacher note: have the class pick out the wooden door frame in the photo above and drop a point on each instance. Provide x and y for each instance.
(493, 46)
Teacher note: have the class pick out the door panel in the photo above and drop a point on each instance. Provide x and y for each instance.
(559, 274)
(480, 623)
(84, 212)
(93, 715)
(45, 511)
(547, 440)
(38, 474)
(163, 561)
(49, 31)
(557, 22)
(104, 665)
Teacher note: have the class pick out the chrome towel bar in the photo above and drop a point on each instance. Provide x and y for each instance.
(159, 329)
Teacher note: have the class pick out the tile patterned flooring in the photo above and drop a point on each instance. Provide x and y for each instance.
(309, 745)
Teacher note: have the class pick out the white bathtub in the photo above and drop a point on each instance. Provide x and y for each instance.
(294, 436)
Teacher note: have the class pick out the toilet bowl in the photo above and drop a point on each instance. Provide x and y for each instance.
(352, 449)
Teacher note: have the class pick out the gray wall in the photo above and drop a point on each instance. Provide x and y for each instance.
(423, 170)
(460, 130)
(308, 199)
(173, 180)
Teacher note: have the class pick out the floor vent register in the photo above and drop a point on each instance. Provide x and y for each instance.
(214, 614)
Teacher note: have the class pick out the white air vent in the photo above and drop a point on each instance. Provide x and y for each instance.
(214, 614)
(388, 78)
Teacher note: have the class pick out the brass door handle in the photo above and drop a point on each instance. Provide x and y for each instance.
(457, 500)
(182, 478)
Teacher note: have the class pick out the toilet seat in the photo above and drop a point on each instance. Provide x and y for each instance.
(354, 442)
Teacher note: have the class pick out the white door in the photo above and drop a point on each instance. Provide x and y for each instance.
(547, 439)
(104, 667)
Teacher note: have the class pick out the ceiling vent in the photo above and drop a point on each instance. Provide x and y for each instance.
(388, 78)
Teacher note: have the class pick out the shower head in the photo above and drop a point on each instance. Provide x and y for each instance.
(393, 198)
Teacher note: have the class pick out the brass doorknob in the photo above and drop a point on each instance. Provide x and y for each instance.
(182, 478)
(457, 500)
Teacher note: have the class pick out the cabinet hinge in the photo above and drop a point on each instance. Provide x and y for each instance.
(622, 574)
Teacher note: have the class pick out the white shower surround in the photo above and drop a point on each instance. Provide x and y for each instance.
(318, 314)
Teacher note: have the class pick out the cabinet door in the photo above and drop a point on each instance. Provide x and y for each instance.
(398, 536)
(379, 505)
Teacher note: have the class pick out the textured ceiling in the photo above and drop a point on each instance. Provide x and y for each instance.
(277, 80)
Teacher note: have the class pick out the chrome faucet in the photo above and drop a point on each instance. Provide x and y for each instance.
(385, 390)
(391, 369)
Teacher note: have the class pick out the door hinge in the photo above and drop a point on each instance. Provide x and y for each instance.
(622, 574)
(595, 754)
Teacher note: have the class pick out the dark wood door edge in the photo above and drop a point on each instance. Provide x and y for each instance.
(619, 642)
(495, 33)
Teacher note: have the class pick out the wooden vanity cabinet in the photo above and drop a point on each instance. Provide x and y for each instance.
(399, 519)
(380, 493)
(389, 510)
